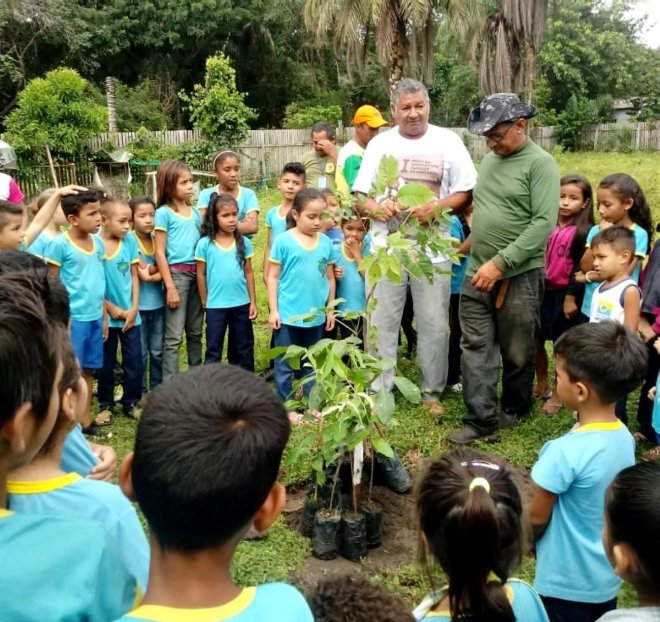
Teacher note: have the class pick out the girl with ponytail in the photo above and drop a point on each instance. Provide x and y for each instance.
(470, 520)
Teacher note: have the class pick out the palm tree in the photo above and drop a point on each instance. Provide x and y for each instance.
(403, 30)
(508, 44)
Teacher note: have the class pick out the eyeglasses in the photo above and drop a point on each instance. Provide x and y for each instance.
(498, 138)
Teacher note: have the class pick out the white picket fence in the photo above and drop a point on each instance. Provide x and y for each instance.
(264, 152)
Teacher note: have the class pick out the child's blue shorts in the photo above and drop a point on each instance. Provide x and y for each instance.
(87, 340)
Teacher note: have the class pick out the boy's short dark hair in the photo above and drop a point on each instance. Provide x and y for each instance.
(207, 453)
(73, 203)
(8, 209)
(347, 598)
(135, 201)
(29, 349)
(618, 237)
(607, 356)
(34, 275)
(295, 168)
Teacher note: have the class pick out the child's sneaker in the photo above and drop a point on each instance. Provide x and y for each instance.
(456, 388)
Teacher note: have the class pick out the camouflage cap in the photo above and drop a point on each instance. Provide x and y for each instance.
(498, 108)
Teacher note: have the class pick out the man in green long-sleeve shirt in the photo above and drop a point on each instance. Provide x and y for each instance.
(516, 201)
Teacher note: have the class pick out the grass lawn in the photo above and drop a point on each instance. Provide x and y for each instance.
(416, 434)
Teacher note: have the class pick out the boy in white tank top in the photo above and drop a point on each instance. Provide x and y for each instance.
(617, 298)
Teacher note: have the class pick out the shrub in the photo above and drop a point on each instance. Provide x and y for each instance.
(217, 108)
(300, 116)
(57, 110)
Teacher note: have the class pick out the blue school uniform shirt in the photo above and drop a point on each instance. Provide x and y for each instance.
(75, 496)
(458, 270)
(578, 467)
(246, 200)
(119, 278)
(275, 222)
(61, 570)
(39, 246)
(641, 248)
(225, 277)
(336, 235)
(303, 284)
(152, 296)
(82, 273)
(182, 233)
(275, 602)
(77, 455)
(525, 602)
(351, 285)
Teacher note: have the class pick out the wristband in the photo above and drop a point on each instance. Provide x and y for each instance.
(586, 276)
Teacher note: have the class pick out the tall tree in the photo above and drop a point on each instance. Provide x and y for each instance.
(403, 30)
(508, 44)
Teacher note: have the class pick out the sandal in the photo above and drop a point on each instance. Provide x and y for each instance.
(652, 454)
(550, 407)
(103, 418)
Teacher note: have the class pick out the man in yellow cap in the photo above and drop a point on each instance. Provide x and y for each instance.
(367, 120)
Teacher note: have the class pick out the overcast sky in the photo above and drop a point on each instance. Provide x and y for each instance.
(651, 34)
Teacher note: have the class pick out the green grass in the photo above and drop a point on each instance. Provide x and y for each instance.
(415, 434)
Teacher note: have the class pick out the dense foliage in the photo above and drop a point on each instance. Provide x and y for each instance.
(157, 50)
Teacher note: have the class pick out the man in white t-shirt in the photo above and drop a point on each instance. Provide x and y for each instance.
(437, 158)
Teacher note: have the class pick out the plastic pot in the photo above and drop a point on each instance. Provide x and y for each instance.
(325, 534)
(374, 523)
(353, 536)
(309, 510)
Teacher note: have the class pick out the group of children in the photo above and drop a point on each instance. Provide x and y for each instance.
(204, 470)
(593, 273)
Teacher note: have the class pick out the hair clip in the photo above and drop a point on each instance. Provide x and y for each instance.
(480, 482)
(481, 463)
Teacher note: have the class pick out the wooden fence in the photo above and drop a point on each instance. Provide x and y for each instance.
(263, 153)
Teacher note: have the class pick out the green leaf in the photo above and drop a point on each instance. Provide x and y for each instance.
(382, 446)
(384, 405)
(412, 195)
(388, 171)
(408, 389)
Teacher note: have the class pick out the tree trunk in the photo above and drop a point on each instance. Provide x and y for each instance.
(112, 104)
(398, 60)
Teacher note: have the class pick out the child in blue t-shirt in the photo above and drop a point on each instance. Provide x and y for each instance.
(461, 232)
(347, 256)
(42, 487)
(152, 297)
(301, 281)
(177, 233)
(227, 168)
(471, 520)
(45, 549)
(122, 299)
(332, 226)
(14, 235)
(202, 480)
(290, 183)
(54, 226)
(632, 538)
(79, 455)
(226, 283)
(596, 364)
(77, 258)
